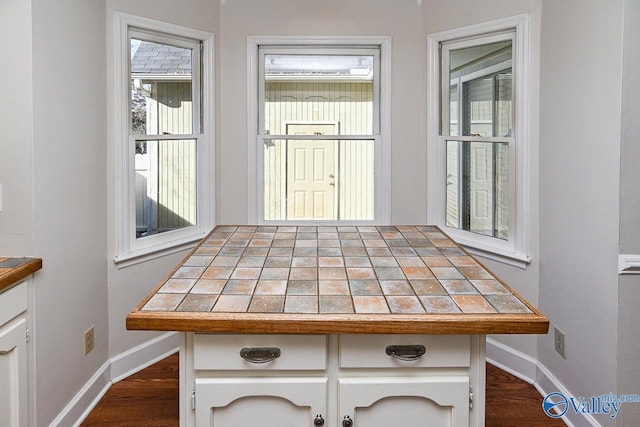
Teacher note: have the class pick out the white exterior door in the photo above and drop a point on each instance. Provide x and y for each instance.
(311, 173)
(481, 188)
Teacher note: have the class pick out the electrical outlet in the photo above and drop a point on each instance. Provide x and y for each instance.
(88, 340)
(559, 339)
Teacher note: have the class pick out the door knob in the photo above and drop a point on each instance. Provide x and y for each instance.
(347, 421)
(318, 421)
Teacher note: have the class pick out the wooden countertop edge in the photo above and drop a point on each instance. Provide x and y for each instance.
(18, 273)
(278, 323)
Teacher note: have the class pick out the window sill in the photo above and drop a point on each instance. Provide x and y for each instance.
(513, 260)
(141, 256)
(482, 249)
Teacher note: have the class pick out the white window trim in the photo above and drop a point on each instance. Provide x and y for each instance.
(382, 166)
(628, 264)
(514, 251)
(129, 249)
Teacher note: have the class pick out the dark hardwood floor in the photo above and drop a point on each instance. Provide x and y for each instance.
(150, 399)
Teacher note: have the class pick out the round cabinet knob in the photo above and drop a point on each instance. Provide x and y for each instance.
(347, 421)
(318, 421)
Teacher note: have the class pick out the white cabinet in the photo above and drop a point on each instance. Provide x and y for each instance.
(396, 380)
(389, 401)
(336, 381)
(13, 357)
(265, 402)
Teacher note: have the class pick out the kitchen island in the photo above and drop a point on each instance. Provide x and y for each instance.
(338, 326)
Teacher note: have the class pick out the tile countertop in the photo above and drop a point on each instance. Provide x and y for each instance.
(12, 270)
(321, 280)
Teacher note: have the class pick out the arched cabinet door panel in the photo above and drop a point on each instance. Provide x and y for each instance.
(264, 402)
(439, 401)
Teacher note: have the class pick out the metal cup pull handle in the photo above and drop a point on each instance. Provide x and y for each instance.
(260, 354)
(406, 352)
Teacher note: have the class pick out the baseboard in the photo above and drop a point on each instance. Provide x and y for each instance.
(532, 371)
(144, 355)
(88, 397)
(547, 383)
(510, 360)
(112, 371)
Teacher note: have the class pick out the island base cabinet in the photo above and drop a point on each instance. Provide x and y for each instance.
(264, 402)
(417, 402)
(332, 381)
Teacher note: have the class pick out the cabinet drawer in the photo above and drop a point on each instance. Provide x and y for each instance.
(404, 351)
(13, 302)
(261, 352)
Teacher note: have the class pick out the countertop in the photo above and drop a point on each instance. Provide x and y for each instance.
(334, 280)
(13, 270)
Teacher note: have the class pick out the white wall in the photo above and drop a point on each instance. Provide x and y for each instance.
(400, 19)
(629, 286)
(16, 122)
(128, 286)
(581, 57)
(69, 175)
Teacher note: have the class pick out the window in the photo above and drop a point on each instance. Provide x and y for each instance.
(164, 154)
(479, 122)
(477, 133)
(319, 139)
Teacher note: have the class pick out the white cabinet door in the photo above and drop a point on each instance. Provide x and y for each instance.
(399, 401)
(13, 374)
(264, 402)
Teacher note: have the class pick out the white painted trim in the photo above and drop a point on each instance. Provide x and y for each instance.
(494, 254)
(144, 355)
(128, 247)
(525, 64)
(535, 373)
(546, 383)
(508, 359)
(134, 258)
(112, 371)
(86, 399)
(382, 159)
(628, 264)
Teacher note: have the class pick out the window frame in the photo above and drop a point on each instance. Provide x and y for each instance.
(131, 250)
(514, 250)
(256, 48)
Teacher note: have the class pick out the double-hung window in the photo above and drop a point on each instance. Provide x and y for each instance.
(164, 155)
(318, 140)
(478, 140)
